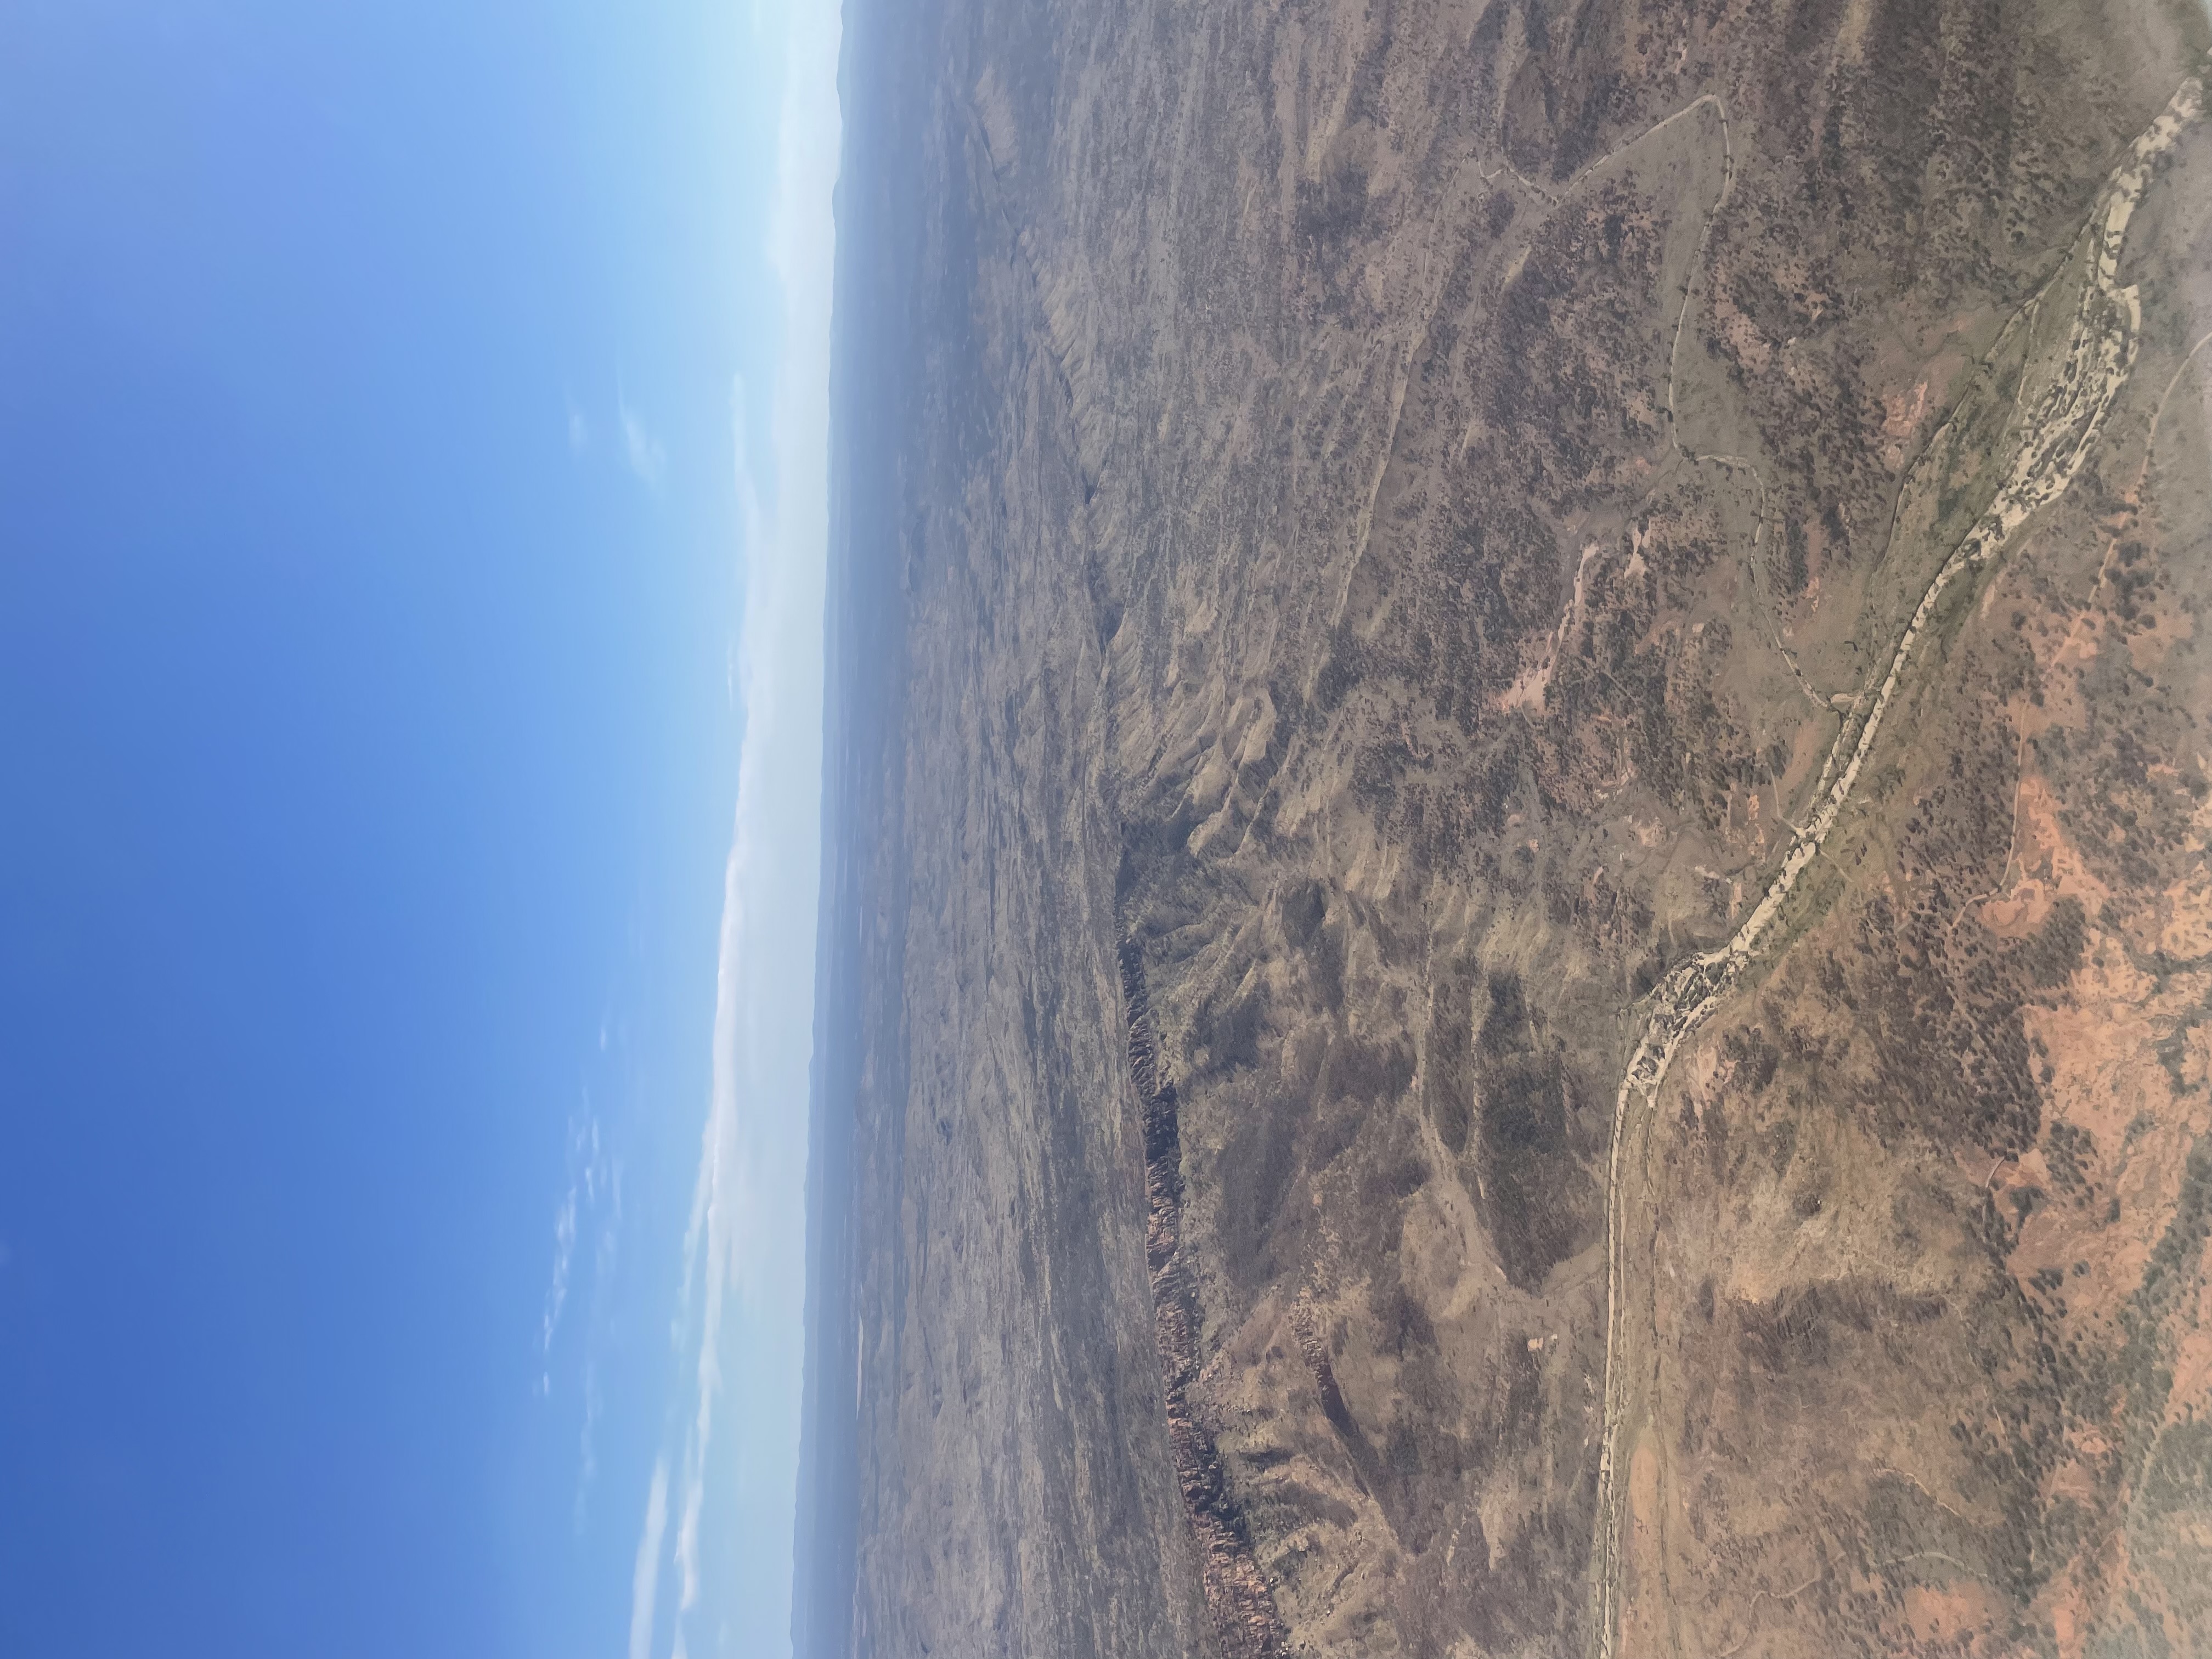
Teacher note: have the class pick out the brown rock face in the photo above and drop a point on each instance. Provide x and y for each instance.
(1519, 938)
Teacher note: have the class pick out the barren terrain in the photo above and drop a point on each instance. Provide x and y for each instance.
(1519, 938)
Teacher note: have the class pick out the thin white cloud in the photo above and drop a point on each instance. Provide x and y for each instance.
(721, 1199)
(644, 452)
(588, 1455)
(587, 1170)
(603, 1280)
(721, 1195)
(592, 1204)
(746, 1208)
(645, 1577)
(564, 1250)
(579, 429)
(723, 1204)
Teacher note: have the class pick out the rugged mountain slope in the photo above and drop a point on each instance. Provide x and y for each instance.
(1521, 868)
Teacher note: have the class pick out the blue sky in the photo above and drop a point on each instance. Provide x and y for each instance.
(411, 512)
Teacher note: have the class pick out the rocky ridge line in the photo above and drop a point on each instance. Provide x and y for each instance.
(1246, 1622)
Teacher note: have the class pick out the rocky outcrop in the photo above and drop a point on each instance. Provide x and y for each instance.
(1245, 1622)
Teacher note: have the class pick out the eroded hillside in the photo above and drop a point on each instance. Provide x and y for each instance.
(1526, 845)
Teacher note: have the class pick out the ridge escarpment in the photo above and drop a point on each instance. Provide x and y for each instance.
(1245, 1624)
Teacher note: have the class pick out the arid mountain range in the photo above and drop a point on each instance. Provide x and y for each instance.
(1517, 932)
